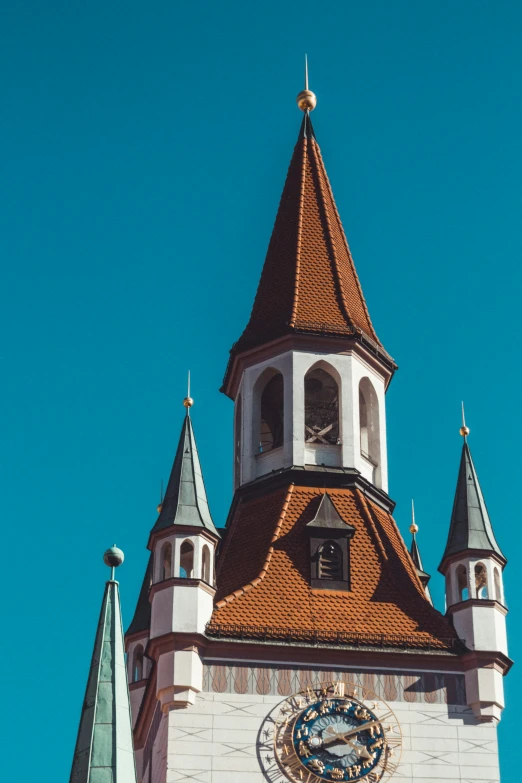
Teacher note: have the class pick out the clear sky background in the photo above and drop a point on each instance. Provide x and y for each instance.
(143, 148)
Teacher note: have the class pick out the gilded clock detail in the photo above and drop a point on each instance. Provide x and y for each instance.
(336, 732)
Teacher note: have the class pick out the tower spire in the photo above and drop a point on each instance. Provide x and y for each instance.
(470, 526)
(104, 749)
(185, 501)
(309, 285)
(415, 554)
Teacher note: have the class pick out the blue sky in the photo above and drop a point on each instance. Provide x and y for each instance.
(143, 151)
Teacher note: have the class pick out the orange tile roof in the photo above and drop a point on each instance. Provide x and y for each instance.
(309, 282)
(264, 573)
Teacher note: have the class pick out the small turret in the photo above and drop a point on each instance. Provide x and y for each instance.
(104, 749)
(183, 544)
(136, 640)
(416, 557)
(472, 565)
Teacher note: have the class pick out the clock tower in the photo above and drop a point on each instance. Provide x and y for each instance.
(301, 642)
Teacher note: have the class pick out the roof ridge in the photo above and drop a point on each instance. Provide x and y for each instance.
(359, 496)
(320, 170)
(249, 585)
(293, 315)
(346, 245)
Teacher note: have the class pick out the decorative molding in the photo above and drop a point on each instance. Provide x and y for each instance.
(263, 680)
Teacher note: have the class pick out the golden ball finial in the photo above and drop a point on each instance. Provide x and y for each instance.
(188, 402)
(414, 528)
(464, 431)
(306, 100)
(159, 508)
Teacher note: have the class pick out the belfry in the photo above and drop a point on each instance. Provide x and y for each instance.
(300, 642)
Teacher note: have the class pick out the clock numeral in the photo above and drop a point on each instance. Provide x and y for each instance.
(339, 688)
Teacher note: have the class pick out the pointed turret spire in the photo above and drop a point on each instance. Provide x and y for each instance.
(308, 283)
(141, 620)
(104, 749)
(415, 555)
(185, 501)
(470, 527)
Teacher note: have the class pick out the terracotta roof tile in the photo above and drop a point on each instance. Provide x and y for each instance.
(264, 572)
(309, 282)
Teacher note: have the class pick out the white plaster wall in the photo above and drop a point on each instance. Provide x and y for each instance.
(482, 628)
(216, 741)
(182, 608)
(348, 369)
(136, 696)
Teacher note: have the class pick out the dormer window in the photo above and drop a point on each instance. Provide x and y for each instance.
(329, 548)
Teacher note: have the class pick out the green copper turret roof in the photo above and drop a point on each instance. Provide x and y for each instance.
(104, 751)
(141, 619)
(470, 526)
(185, 502)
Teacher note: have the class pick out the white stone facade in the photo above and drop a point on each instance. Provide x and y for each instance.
(221, 738)
(217, 740)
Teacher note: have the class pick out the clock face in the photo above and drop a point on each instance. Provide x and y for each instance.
(335, 732)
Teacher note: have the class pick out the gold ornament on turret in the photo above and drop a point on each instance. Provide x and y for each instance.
(306, 100)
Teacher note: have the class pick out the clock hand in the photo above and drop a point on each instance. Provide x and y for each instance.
(362, 727)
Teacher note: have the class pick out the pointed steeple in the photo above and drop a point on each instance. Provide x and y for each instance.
(470, 527)
(416, 556)
(308, 283)
(104, 749)
(185, 502)
(141, 620)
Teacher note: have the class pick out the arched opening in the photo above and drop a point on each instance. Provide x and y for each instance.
(498, 585)
(237, 443)
(330, 562)
(137, 664)
(186, 560)
(205, 564)
(369, 422)
(321, 408)
(462, 583)
(166, 561)
(481, 580)
(271, 426)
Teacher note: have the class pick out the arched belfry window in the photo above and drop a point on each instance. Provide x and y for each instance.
(321, 408)
(186, 560)
(462, 583)
(137, 664)
(481, 580)
(498, 585)
(237, 442)
(205, 560)
(271, 427)
(369, 422)
(166, 561)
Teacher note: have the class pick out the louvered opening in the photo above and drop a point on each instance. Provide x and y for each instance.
(330, 565)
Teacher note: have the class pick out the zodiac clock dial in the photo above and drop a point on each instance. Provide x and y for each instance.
(335, 732)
